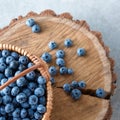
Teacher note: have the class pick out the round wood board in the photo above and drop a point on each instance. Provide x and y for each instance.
(96, 68)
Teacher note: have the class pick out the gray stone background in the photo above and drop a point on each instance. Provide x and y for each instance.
(101, 15)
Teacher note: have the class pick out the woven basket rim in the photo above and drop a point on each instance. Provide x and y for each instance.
(43, 70)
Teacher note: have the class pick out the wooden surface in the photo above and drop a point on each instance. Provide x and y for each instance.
(95, 68)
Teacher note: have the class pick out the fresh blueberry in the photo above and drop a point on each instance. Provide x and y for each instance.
(23, 60)
(36, 28)
(15, 55)
(4, 80)
(37, 115)
(21, 82)
(25, 105)
(23, 113)
(30, 113)
(39, 92)
(52, 70)
(81, 51)
(13, 65)
(0, 99)
(6, 90)
(82, 84)
(17, 72)
(30, 64)
(60, 54)
(31, 75)
(5, 53)
(9, 108)
(68, 43)
(52, 80)
(70, 71)
(21, 67)
(32, 86)
(63, 70)
(100, 93)
(74, 84)
(9, 59)
(21, 98)
(2, 60)
(2, 118)
(46, 57)
(2, 67)
(27, 92)
(34, 107)
(67, 87)
(15, 103)
(16, 113)
(60, 62)
(76, 94)
(41, 80)
(2, 110)
(15, 90)
(1, 76)
(41, 109)
(8, 72)
(33, 100)
(30, 22)
(7, 99)
(52, 45)
(42, 100)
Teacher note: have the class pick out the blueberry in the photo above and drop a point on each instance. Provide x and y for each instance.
(70, 71)
(42, 100)
(7, 99)
(2, 67)
(17, 72)
(36, 28)
(15, 90)
(21, 82)
(41, 109)
(82, 84)
(15, 55)
(16, 113)
(60, 54)
(31, 75)
(68, 43)
(37, 115)
(52, 80)
(30, 22)
(39, 92)
(67, 87)
(9, 108)
(27, 92)
(9, 59)
(25, 105)
(30, 113)
(25, 119)
(5, 53)
(12, 84)
(60, 62)
(81, 52)
(76, 94)
(46, 57)
(21, 98)
(15, 103)
(41, 80)
(74, 84)
(63, 70)
(1, 76)
(32, 86)
(52, 70)
(2, 60)
(21, 67)
(52, 45)
(23, 60)
(100, 93)
(2, 118)
(13, 65)
(0, 99)
(30, 64)
(33, 100)
(23, 113)
(4, 80)
(8, 72)
(34, 107)
(6, 90)
(2, 110)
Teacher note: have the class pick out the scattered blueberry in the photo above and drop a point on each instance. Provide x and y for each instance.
(74, 84)
(52, 80)
(52, 45)
(70, 71)
(67, 87)
(63, 70)
(60, 62)
(81, 51)
(60, 54)
(76, 94)
(82, 84)
(36, 28)
(30, 22)
(100, 93)
(52, 70)
(68, 43)
(46, 57)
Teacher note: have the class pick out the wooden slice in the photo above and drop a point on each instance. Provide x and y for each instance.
(96, 68)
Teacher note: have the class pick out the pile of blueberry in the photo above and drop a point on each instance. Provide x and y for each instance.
(24, 99)
(31, 23)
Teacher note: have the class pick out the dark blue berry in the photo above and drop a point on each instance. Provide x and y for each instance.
(16, 113)
(39, 91)
(23, 60)
(21, 67)
(63, 70)
(2, 118)
(37, 115)
(23, 113)
(33, 100)
(6, 90)
(15, 55)
(7, 99)
(34, 107)
(8, 72)
(27, 92)
(42, 100)
(52, 80)
(36, 28)
(30, 64)
(76, 94)
(81, 51)
(0, 99)
(52, 45)
(60, 54)
(13, 65)
(30, 113)
(41, 109)
(2, 110)
(68, 43)
(82, 84)
(41, 80)
(74, 84)
(100, 93)
(5, 53)
(31, 75)
(60, 62)
(9, 59)
(15, 90)
(12, 84)
(21, 98)
(70, 71)
(4, 80)
(46, 57)
(1, 76)
(25, 105)
(52, 70)
(30, 22)
(32, 86)
(9, 108)
(21, 82)
(67, 87)
(2, 60)
(2, 67)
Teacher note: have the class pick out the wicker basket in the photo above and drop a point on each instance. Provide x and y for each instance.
(43, 70)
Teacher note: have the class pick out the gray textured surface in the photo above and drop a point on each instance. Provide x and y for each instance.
(101, 15)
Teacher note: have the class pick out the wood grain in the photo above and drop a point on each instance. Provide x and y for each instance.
(95, 68)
